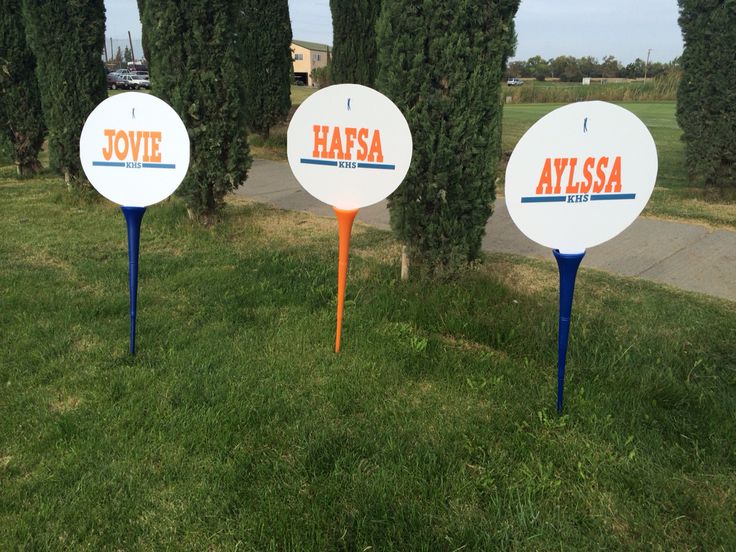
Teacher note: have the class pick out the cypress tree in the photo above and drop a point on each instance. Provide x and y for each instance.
(67, 38)
(21, 117)
(442, 64)
(706, 99)
(195, 66)
(267, 63)
(354, 53)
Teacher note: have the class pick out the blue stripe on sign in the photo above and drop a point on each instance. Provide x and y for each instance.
(318, 162)
(107, 164)
(607, 197)
(376, 166)
(158, 166)
(544, 199)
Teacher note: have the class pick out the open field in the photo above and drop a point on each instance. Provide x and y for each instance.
(236, 427)
(663, 88)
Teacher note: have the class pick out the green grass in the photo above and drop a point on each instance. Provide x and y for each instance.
(301, 93)
(236, 427)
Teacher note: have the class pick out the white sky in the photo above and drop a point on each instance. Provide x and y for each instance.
(623, 28)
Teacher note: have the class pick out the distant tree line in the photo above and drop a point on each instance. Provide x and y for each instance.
(572, 69)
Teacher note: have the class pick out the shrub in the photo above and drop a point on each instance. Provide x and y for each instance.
(354, 53)
(66, 38)
(267, 64)
(21, 118)
(195, 63)
(706, 100)
(442, 64)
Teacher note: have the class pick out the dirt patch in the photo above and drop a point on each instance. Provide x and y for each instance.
(523, 278)
(467, 345)
(65, 404)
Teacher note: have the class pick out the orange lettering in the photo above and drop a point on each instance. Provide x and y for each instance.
(615, 176)
(362, 137)
(570, 188)
(376, 153)
(320, 141)
(146, 154)
(545, 181)
(560, 165)
(350, 134)
(121, 154)
(134, 138)
(598, 185)
(587, 167)
(336, 145)
(155, 141)
(107, 153)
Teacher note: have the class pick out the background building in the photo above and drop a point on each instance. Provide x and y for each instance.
(308, 56)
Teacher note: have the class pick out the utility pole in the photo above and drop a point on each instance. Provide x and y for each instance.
(646, 65)
(132, 53)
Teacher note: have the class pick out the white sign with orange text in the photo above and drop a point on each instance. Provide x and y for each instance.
(349, 146)
(134, 149)
(580, 175)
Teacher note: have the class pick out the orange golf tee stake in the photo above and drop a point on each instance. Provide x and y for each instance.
(345, 220)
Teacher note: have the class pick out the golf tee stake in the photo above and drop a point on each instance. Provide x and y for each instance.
(568, 265)
(345, 220)
(133, 217)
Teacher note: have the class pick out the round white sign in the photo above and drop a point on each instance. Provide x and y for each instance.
(580, 175)
(134, 149)
(349, 146)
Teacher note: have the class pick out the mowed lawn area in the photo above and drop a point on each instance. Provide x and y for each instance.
(237, 428)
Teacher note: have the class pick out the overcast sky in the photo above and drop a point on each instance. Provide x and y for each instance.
(623, 28)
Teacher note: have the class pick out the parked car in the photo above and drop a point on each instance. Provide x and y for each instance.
(115, 81)
(514, 82)
(136, 82)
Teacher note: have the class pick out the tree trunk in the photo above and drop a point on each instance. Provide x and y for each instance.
(404, 264)
(68, 181)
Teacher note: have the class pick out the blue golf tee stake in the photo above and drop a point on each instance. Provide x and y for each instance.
(568, 264)
(133, 217)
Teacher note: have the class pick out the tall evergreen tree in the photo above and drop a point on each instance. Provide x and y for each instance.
(442, 64)
(267, 63)
(706, 99)
(195, 65)
(67, 38)
(21, 117)
(354, 53)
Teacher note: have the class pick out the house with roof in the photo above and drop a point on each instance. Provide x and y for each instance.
(308, 56)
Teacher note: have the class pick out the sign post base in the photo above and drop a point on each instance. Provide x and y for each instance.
(345, 220)
(568, 264)
(133, 218)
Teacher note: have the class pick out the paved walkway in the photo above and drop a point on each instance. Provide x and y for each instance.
(688, 256)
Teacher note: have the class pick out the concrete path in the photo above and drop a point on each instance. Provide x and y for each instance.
(688, 256)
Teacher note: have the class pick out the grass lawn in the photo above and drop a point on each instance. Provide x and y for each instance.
(237, 428)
